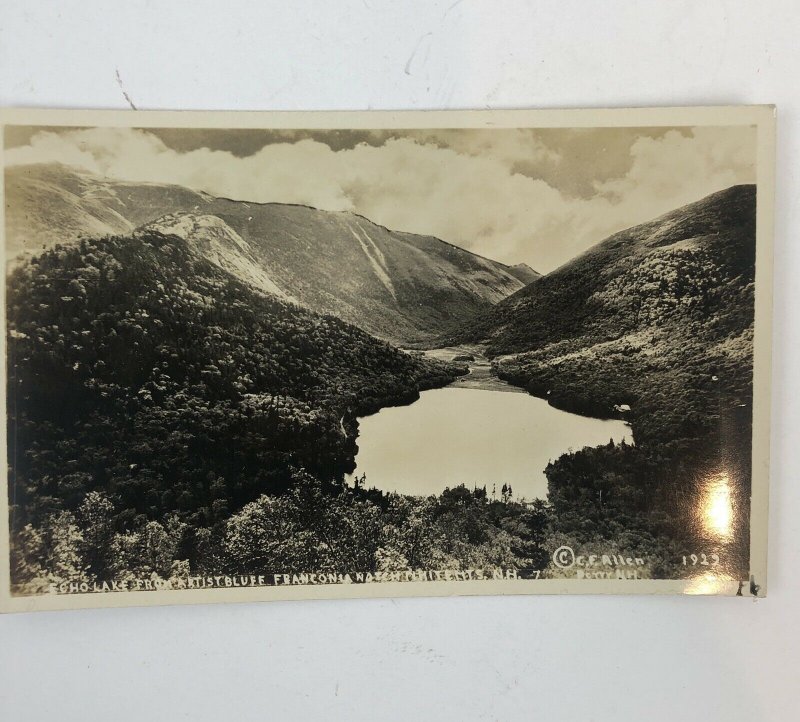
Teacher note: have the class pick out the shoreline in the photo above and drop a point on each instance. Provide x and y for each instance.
(480, 374)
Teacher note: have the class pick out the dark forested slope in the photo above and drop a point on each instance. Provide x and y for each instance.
(140, 370)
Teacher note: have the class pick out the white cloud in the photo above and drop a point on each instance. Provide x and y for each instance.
(459, 186)
(682, 168)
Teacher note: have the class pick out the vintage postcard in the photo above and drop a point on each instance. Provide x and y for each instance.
(256, 356)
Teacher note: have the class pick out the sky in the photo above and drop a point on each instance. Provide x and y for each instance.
(535, 196)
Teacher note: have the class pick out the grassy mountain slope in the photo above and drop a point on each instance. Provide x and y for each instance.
(398, 286)
(49, 203)
(649, 275)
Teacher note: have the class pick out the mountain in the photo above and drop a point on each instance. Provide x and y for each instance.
(141, 371)
(633, 308)
(524, 273)
(219, 243)
(677, 268)
(399, 286)
(49, 203)
(653, 325)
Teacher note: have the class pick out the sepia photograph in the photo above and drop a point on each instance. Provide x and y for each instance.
(287, 355)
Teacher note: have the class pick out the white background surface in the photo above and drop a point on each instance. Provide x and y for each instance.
(470, 658)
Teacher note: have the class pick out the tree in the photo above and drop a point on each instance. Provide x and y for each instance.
(96, 519)
(267, 536)
(63, 560)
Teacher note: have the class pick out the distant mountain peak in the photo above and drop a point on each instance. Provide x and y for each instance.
(524, 272)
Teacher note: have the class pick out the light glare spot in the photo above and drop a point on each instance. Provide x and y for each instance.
(718, 507)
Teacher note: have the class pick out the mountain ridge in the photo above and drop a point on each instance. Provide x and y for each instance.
(563, 302)
(328, 261)
(521, 270)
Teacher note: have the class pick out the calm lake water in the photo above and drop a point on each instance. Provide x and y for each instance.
(473, 436)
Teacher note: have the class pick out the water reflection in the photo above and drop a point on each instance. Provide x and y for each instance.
(477, 437)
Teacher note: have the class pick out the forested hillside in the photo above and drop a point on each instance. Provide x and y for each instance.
(654, 325)
(152, 395)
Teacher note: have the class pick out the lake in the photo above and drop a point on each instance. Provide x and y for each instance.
(473, 436)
